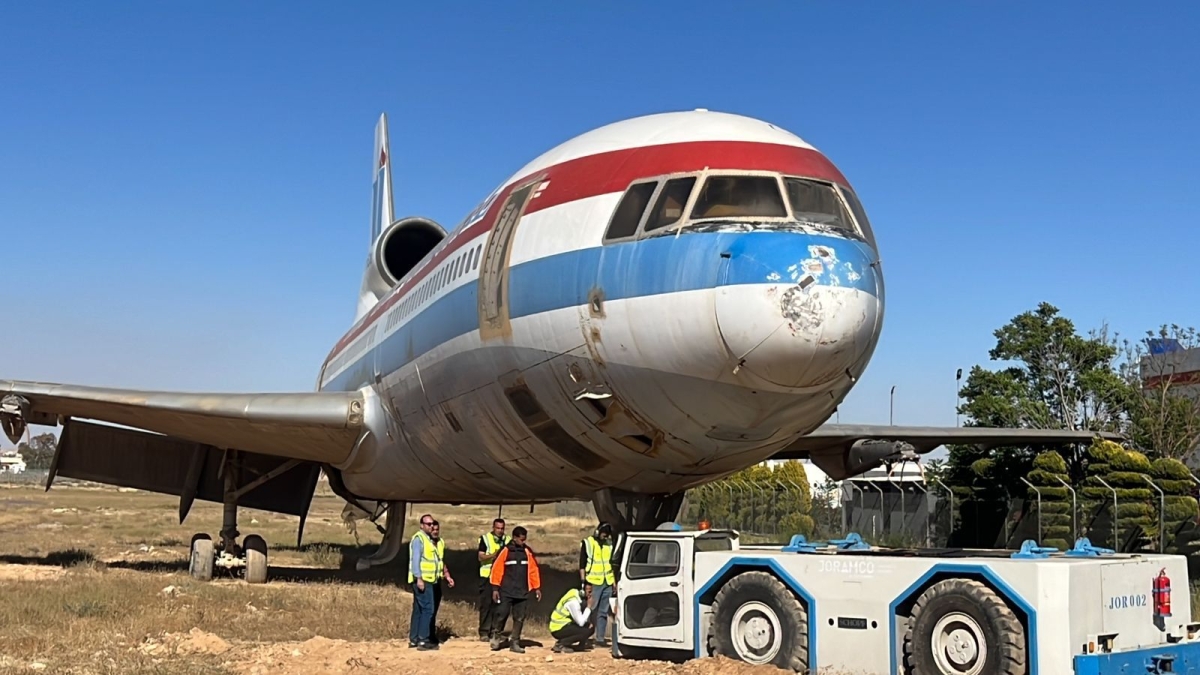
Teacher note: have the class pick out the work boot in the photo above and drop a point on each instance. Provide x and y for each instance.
(561, 649)
(516, 647)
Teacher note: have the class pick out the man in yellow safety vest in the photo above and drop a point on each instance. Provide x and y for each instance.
(422, 572)
(595, 568)
(435, 535)
(490, 544)
(571, 620)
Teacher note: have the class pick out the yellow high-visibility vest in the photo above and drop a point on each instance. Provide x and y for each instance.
(489, 542)
(599, 570)
(431, 558)
(560, 617)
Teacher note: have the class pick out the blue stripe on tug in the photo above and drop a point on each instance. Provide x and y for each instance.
(666, 264)
(1176, 658)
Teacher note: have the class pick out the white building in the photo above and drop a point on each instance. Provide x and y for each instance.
(11, 463)
(1168, 363)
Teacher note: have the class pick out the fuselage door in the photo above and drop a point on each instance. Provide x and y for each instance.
(493, 273)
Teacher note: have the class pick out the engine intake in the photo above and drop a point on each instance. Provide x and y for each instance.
(395, 252)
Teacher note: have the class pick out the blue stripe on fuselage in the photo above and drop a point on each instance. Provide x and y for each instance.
(653, 266)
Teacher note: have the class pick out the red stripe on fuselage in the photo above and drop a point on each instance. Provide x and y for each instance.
(613, 172)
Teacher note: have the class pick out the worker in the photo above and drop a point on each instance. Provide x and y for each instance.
(595, 568)
(490, 544)
(571, 621)
(435, 534)
(514, 577)
(424, 570)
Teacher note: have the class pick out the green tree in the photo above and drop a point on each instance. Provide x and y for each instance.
(39, 451)
(1056, 378)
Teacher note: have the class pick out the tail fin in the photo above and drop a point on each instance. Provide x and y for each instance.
(381, 192)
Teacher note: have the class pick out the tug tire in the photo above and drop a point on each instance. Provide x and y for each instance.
(961, 627)
(756, 619)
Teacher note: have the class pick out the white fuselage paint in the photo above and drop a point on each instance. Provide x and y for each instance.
(685, 362)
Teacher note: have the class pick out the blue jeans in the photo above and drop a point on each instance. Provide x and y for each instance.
(422, 614)
(601, 594)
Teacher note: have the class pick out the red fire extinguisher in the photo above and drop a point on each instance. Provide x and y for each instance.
(1162, 594)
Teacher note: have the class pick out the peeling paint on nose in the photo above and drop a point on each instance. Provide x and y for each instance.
(809, 314)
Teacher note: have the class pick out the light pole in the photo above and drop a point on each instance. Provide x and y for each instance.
(892, 407)
(957, 395)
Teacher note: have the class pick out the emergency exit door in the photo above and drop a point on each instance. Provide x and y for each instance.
(493, 272)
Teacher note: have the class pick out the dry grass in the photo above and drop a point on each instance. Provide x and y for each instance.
(84, 570)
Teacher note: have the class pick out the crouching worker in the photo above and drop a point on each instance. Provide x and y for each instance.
(515, 577)
(571, 621)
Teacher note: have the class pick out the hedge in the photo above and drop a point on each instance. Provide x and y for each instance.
(1166, 468)
(1048, 462)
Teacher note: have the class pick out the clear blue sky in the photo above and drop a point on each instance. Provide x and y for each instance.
(184, 188)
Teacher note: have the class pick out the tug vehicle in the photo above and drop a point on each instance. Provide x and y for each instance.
(846, 606)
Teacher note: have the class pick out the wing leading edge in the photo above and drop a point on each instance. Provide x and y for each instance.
(846, 450)
(318, 427)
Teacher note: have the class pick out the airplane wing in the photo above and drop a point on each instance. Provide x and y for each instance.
(281, 440)
(846, 450)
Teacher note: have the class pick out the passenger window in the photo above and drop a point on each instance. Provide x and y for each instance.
(669, 208)
(739, 197)
(649, 559)
(629, 211)
(815, 202)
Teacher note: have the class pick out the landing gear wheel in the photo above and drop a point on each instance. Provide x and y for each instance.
(256, 559)
(961, 627)
(200, 566)
(756, 619)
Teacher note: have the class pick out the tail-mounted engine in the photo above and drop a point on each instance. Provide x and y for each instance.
(397, 250)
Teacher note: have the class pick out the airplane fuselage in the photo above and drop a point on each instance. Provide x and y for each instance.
(649, 306)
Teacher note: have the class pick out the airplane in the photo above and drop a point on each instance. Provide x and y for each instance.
(650, 306)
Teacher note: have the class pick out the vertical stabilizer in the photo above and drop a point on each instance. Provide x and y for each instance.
(381, 192)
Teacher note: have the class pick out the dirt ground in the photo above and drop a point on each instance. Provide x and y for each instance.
(94, 580)
(321, 655)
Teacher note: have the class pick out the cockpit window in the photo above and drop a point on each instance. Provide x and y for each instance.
(671, 201)
(816, 202)
(629, 212)
(739, 197)
(859, 214)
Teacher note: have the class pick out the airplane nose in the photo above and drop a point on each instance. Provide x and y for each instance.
(798, 311)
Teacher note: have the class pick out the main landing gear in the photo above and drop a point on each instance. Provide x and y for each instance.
(631, 512)
(250, 556)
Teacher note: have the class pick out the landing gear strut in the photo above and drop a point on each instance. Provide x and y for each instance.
(628, 511)
(251, 555)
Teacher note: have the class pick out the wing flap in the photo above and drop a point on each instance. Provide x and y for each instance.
(186, 469)
(319, 427)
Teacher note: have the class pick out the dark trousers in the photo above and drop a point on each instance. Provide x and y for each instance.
(572, 634)
(487, 608)
(514, 606)
(437, 603)
(422, 612)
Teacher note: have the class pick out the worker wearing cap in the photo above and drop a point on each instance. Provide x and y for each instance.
(595, 568)
(571, 620)
(515, 576)
(490, 544)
